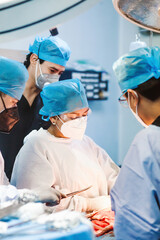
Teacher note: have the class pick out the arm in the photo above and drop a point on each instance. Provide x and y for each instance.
(2, 174)
(110, 169)
(82, 204)
(135, 197)
(32, 170)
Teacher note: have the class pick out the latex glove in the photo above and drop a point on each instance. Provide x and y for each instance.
(47, 195)
(50, 195)
(8, 193)
(98, 203)
(82, 204)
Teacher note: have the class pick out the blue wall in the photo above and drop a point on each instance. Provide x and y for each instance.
(94, 35)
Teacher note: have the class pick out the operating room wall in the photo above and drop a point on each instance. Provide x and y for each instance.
(128, 125)
(93, 35)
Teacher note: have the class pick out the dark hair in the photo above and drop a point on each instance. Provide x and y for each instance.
(2, 93)
(27, 61)
(149, 89)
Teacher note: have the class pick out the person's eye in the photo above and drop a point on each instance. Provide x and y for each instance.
(71, 118)
(53, 71)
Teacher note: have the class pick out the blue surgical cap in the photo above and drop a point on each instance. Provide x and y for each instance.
(62, 97)
(137, 67)
(13, 76)
(51, 49)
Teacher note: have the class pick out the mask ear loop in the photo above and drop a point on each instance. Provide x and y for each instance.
(3, 103)
(60, 119)
(36, 69)
(129, 101)
(39, 61)
(61, 122)
(136, 105)
(40, 67)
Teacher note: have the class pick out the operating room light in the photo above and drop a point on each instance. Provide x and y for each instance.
(145, 14)
(6, 1)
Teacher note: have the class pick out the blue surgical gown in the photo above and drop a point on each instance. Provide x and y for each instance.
(136, 194)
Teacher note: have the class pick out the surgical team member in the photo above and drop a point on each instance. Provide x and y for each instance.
(62, 156)
(13, 76)
(136, 193)
(45, 63)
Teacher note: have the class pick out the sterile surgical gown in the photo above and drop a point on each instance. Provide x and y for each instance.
(3, 177)
(68, 165)
(135, 196)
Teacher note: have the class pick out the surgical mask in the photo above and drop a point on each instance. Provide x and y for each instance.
(44, 78)
(8, 118)
(74, 129)
(136, 114)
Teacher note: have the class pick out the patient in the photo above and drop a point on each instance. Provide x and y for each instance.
(62, 157)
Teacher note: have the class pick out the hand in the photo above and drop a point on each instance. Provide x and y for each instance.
(49, 195)
(98, 203)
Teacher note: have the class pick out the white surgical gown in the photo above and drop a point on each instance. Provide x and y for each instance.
(7, 192)
(3, 177)
(135, 196)
(67, 165)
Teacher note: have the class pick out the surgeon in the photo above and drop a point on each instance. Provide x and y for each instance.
(45, 64)
(136, 193)
(62, 156)
(13, 76)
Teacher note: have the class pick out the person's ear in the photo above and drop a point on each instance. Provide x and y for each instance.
(133, 97)
(33, 59)
(53, 120)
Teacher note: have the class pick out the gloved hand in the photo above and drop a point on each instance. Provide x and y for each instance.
(98, 203)
(44, 194)
(8, 193)
(50, 196)
(83, 204)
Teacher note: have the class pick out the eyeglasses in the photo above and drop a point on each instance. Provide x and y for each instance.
(123, 101)
(64, 117)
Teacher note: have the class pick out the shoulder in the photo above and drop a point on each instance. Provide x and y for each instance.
(91, 144)
(88, 139)
(150, 135)
(144, 150)
(34, 136)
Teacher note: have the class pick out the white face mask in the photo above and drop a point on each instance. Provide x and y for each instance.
(136, 114)
(44, 78)
(74, 129)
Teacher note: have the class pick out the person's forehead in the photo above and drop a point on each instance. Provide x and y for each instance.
(83, 110)
(9, 98)
(54, 65)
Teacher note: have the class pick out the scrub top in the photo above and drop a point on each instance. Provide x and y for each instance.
(136, 194)
(30, 119)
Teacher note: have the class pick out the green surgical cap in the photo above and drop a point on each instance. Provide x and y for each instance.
(13, 76)
(51, 49)
(137, 67)
(62, 97)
